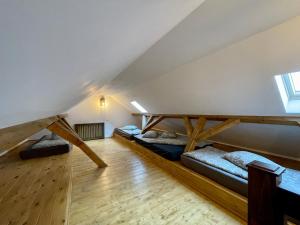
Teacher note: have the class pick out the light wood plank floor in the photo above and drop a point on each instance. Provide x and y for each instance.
(35, 191)
(134, 191)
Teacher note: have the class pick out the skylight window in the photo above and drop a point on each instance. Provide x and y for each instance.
(289, 87)
(296, 81)
(139, 107)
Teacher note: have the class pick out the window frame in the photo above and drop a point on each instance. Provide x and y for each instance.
(289, 87)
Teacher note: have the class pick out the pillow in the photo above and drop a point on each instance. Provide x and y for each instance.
(204, 144)
(129, 127)
(150, 134)
(168, 134)
(243, 158)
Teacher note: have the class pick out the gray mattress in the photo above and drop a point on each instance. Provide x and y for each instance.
(290, 177)
(128, 134)
(224, 178)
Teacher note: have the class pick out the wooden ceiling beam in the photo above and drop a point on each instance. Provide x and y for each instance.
(277, 120)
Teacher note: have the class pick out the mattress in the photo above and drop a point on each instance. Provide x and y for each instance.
(180, 140)
(128, 134)
(215, 157)
(168, 151)
(228, 178)
(222, 177)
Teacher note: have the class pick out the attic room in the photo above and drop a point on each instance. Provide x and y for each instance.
(150, 112)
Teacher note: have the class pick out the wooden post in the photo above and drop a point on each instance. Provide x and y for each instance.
(197, 130)
(188, 126)
(263, 198)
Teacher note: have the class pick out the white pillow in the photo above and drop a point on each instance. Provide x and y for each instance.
(243, 158)
(129, 127)
(150, 134)
(168, 134)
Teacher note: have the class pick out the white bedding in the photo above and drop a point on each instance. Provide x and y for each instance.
(214, 157)
(133, 132)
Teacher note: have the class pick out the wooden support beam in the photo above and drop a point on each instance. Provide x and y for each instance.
(278, 120)
(151, 118)
(67, 133)
(199, 134)
(11, 136)
(188, 126)
(152, 124)
(197, 130)
(218, 129)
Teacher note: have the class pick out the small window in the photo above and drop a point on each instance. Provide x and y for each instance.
(292, 84)
(139, 107)
(289, 87)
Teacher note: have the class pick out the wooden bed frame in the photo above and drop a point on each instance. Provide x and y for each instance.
(235, 203)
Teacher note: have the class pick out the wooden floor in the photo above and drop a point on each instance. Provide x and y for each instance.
(36, 191)
(131, 190)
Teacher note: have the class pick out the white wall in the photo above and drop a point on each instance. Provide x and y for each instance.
(238, 79)
(89, 111)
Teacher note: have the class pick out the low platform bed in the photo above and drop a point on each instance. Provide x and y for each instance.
(168, 151)
(127, 133)
(233, 182)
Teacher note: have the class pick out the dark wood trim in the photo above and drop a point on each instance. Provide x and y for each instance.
(263, 200)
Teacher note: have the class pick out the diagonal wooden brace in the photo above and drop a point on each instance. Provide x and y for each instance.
(63, 129)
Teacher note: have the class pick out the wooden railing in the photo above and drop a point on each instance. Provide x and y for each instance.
(197, 133)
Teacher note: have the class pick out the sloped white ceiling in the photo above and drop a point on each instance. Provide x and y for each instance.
(53, 53)
(238, 79)
(211, 27)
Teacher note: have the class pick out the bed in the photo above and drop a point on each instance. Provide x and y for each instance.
(210, 162)
(169, 148)
(222, 176)
(127, 133)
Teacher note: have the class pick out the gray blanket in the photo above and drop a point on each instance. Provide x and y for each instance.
(214, 157)
(180, 140)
